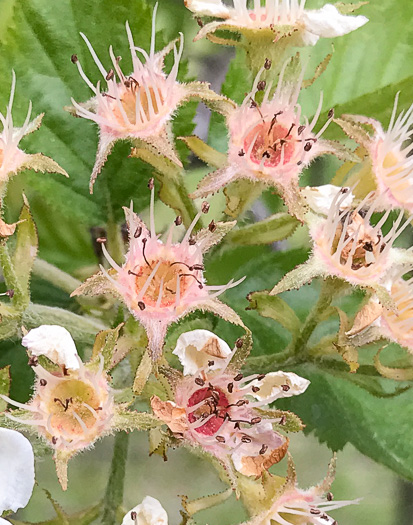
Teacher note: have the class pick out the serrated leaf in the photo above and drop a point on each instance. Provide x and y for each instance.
(275, 228)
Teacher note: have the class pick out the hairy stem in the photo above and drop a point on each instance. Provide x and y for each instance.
(50, 273)
(114, 489)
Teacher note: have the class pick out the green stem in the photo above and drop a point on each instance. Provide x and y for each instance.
(175, 195)
(82, 328)
(114, 489)
(55, 276)
(10, 277)
(300, 343)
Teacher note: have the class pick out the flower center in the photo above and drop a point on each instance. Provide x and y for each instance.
(165, 281)
(136, 101)
(271, 142)
(365, 245)
(215, 402)
(71, 407)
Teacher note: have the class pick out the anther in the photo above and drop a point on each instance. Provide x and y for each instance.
(197, 267)
(241, 402)
(300, 130)
(246, 439)
(110, 74)
(191, 241)
(260, 377)
(133, 515)
(331, 113)
(241, 152)
(43, 382)
(266, 154)
(263, 449)
(199, 22)
(255, 389)
(261, 85)
(74, 59)
(199, 381)
(138, 232)
(178, 220)
(230, 387)
(286, 388)
(101, 240)
(329, 496)
(238, 377)
(315, 512)
(368, 246)
(10, 293)
(151, 183)
(211, 363)
(54, 440)
(141, 305)
(283, 420)
(308, 146)
(212, 226)
(220, 439)
(267, 64)
(205, 207)
(256, 420)
(239, 342)
(33, 361)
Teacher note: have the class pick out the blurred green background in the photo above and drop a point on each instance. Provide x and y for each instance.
(368, 67)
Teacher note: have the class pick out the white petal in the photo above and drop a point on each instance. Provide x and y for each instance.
(208, 8)
(149, 512)
(16, 470)
(328, 22)
(55, 342)
(320, 198)
(271, 387)
(4, 521)
(195, 349)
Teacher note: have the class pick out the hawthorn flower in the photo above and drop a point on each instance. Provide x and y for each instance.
(268, 143)
(149, 512)
(12, 158)
(389, 155)
(346, 245)
(293, 505)
(71, 406)
(279, 18)
(375, 322)
(16, 471)
(218, 409)
(140, 106)
(162, 282)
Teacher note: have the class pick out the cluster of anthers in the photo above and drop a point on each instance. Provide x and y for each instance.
(218, 408)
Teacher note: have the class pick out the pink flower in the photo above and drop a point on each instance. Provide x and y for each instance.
(268, 143)
(138, 107)
(12, 158)
(293, 505)
(161, 282)
(218, 409)
(391, 163)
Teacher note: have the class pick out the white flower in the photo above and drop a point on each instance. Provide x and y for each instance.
(16, 471)
(320, 198)
(149, 512)
(278, 384)
(201, 349)
(282, 17)
(55, 342)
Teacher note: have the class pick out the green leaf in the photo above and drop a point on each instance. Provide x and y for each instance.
(275, 308)
(4, 386)
(338, 411)
(275, 228)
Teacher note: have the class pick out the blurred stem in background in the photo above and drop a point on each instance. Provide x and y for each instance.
(404, 516)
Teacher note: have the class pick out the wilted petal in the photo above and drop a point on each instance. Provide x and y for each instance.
(55, 342)
(197, 348)
(320, 198)
(208, 8)
(171, 414)
(279, 384)
(328, 22)
(16, 470)
(149, 512)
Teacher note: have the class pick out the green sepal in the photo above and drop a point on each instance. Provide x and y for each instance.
(158, 442)
(345, 8)
(292, 423)
(105, 344)
(397, 374)
(302, 274)
(206, 502)
(240, 194)
(347, 351)
(206, 153)
(275, 308)
(241, 354)
(275, 228)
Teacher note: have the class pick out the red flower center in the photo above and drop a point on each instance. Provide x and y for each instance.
(216, 402)
(272, 142)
